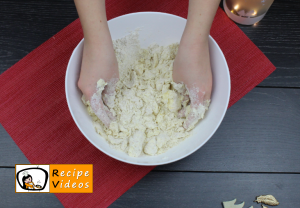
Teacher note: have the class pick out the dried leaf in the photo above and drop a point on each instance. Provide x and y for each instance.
(267, 199)
(230, 204)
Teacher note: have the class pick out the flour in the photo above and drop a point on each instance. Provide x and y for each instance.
(150, 109)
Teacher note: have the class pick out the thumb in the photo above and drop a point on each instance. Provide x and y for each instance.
(197, 107)
(196, 96)
(100, 110)
(97, 105)
(109, 92)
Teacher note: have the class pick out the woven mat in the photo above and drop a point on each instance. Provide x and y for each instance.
(33, 107)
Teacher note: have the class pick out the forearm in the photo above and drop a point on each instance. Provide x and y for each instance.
(200, 17)
(93, 19)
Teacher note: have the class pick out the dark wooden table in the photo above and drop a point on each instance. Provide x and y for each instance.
(255, 151)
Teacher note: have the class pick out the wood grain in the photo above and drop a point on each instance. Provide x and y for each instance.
(24, 25)
(260, 133)
(10, 153)
(8, 197)
(255, 151)
(277, 35)
(208, 190)
(177, 189)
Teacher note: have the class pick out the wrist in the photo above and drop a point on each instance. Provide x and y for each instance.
(197, 32)
(99, 49)
(97, 40)
(200, 18)
(97, 34)
(194, 39)
(93, 20)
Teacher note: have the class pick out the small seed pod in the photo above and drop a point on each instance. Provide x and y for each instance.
(267, 199)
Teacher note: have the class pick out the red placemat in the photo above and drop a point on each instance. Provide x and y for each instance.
(35, 113)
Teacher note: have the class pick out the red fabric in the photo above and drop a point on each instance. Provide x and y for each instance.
(35, 113)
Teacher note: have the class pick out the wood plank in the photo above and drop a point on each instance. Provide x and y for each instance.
(11, 199)
(194, 189)
(283, 76)
(10, 154)
(177, 189)
(277, 35)
(260, 133)
(24, 25)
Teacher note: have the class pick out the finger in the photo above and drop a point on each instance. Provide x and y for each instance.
(207, 96)
(185, 100)
(206, 100)
(109, 114)
(197, 98)
(190, 121)
(109, 93)
(181, 113)
(99, 109)
(196, 95)
(194, 116)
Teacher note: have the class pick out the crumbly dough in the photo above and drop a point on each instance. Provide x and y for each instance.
(146, 101)
(267, 199)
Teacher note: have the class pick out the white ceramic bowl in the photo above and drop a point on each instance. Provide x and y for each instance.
(163, 29)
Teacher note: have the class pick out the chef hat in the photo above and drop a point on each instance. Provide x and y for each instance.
(25, 173)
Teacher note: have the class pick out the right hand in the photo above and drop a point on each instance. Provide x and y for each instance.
(192, 67)
(99, 62)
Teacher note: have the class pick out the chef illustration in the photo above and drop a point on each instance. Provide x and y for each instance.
(27, 181)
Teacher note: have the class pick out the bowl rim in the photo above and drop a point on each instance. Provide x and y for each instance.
(138, 163)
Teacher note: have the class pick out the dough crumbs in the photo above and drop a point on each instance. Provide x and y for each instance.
(147, 103)
(267, 199)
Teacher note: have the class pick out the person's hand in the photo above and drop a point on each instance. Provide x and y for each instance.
(192, 67)
(99, 62)
(192, 62)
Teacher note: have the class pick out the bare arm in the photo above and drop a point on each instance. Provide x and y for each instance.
(99, 60)
(192, 63)
(200, 17)
(92, 16)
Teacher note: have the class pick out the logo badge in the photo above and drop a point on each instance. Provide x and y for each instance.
(54, 178)
(32, 178)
